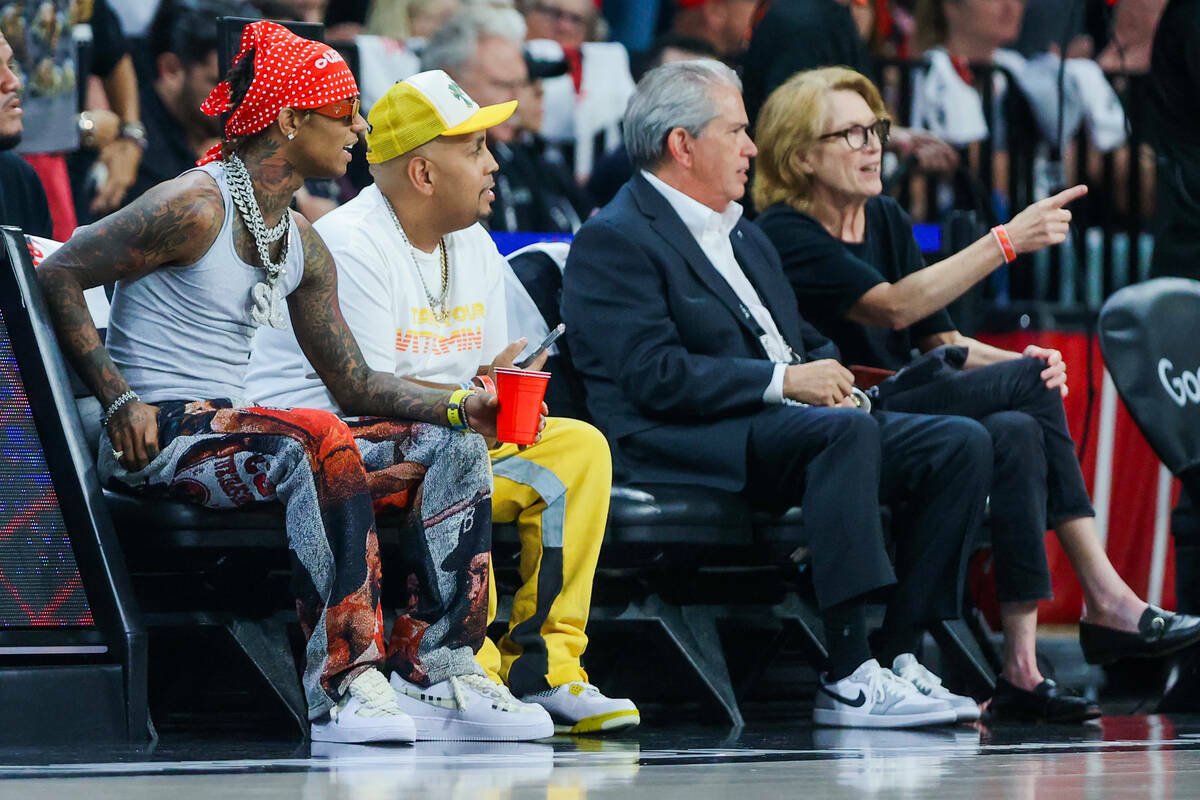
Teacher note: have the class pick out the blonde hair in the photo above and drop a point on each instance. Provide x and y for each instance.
(790, 122)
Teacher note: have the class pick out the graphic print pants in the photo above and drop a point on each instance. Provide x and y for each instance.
(332, 475)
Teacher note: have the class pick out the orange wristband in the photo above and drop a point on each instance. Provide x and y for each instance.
(1000, 234)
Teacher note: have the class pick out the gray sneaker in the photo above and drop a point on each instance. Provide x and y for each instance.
(875, 697)
(930, 685)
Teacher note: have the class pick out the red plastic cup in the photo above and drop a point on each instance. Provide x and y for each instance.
(520, 392)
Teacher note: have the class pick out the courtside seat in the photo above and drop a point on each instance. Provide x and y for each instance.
(661, 515)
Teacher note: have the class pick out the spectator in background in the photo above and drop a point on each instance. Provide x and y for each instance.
(1174, 88)
(724, 24)
(410, 19)
(805, 34)
(296, 10)
(534, 189)
(959, 35)
(800, 35)
(22, 199)
(46, 53)
(182, 43)
(584, 107)
(1128, 48)
(612, 171)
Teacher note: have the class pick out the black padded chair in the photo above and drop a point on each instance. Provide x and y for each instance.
(1147, 336)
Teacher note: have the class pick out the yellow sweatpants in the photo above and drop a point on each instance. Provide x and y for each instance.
(557, 492)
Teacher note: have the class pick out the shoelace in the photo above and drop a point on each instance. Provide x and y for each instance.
(922, 678)
(375, 693)
(500, 696)
(884, 679)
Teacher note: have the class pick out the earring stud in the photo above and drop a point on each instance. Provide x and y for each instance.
(291, 136)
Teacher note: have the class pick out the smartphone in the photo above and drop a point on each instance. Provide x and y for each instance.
(558, 331)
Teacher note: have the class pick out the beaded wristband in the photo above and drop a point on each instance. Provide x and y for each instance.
(1000, 233)
(485, 383)
(116, 405)
(456, 410)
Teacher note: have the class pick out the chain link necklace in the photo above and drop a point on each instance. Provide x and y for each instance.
(268, 297)
(437, 307)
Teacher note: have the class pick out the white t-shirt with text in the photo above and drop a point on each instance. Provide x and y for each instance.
(385, 306)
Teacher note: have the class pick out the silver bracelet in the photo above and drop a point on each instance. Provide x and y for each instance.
(116, 405)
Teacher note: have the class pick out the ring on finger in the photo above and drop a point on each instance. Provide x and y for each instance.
(118, 453)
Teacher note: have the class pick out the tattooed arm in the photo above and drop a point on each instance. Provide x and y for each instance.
(174, 223)
(330, 347)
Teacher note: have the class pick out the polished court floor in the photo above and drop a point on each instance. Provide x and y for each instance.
(1120, 756)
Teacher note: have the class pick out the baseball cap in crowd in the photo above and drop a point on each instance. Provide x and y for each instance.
(420, 109)
(541, 68)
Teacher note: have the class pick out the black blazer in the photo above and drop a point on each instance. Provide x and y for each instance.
(671, 360)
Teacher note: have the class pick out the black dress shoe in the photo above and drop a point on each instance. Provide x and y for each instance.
(1046, 703)
(1159, 633)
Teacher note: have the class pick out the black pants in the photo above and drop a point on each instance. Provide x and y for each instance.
(838, 463)
(1036, 481)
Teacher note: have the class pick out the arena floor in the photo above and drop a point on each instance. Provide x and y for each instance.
(1119, 756)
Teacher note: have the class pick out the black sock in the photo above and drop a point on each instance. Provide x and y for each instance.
(899, 634)
(846, 635)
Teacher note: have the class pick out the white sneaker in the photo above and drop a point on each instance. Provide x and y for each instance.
(874, 697)
(579, 707)
(367, 713)
(470, 708)
(930, 685)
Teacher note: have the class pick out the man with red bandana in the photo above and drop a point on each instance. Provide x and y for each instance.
(200, 262)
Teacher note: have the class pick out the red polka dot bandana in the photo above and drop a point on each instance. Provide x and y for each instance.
(289, 72)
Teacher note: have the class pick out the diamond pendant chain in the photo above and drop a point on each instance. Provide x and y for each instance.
(436, 307)
(241, 189)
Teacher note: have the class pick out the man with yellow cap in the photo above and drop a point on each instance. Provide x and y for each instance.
(203, 261)
(421, 284)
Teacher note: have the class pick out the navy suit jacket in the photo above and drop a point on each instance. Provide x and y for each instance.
(671, 359)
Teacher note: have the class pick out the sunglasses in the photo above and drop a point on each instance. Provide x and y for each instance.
(345, 110)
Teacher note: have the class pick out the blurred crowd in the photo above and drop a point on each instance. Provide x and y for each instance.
(112, 88)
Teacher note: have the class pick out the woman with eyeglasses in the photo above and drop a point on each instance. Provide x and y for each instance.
(850, 255)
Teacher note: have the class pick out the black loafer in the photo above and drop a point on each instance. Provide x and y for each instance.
(1159, 633)
(1046, 703)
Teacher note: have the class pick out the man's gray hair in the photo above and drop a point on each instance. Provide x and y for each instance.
(674, 95)
(455, 43)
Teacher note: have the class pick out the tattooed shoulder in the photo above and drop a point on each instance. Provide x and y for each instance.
(172, 224)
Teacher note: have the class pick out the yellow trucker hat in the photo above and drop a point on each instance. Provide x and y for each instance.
(421, 108)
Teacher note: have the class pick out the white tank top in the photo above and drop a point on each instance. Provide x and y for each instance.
(185, 333)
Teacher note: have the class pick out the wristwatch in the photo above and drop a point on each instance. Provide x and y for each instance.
(136, 131)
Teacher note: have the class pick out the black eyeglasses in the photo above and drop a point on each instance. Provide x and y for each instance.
(857, 136)
(560, 14)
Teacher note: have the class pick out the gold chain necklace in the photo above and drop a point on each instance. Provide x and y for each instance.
(436, 307)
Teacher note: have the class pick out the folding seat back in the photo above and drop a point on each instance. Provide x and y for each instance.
(1150, 337)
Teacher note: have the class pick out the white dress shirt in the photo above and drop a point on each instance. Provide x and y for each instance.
(711, 231)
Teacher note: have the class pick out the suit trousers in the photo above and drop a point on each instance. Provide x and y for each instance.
(839, 463)
(1036, 480)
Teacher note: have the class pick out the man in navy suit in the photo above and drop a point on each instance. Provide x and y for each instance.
(700, 371)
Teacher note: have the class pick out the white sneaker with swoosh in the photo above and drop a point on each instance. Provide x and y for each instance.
(875, 697)
(930, 685)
